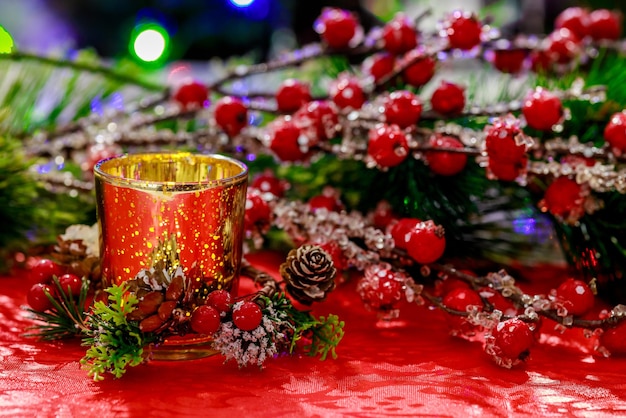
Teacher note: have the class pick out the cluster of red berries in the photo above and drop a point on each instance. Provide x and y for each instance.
(511, 339)
(206, 319)
(573, 28)
(306, 122)
(42, 274)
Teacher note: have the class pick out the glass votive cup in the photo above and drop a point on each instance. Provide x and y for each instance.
(180, 210)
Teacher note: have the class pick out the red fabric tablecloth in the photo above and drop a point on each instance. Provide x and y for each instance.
(413, 370)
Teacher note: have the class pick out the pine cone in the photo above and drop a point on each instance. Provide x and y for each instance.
(309, 273)
(74, 254)
(161, 304)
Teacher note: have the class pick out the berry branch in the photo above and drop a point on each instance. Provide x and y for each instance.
(422, 146)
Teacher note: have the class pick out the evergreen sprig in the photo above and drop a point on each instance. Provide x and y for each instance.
(325, 333)
(67, 318)
(115, 343)
(29, 214)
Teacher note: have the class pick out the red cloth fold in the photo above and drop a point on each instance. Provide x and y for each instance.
(412, 369)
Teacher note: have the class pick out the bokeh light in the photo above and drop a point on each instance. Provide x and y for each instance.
(6, 41)
(241, 3)
(150, 43)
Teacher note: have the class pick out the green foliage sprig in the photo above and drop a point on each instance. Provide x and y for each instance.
(325, 333)
(29, 213)
(115, 342)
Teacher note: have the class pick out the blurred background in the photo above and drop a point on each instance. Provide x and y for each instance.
(202, 29)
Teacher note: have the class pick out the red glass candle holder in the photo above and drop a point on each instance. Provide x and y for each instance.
(180, 209)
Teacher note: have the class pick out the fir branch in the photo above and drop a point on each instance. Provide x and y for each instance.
(67, 318)
(83, 66)
(23, 221)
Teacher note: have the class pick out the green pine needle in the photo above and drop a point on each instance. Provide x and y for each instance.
(66, 319)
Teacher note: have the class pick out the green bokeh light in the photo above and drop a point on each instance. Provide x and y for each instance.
(149, 43)
(6, 41)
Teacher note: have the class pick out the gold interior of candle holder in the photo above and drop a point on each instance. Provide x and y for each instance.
(176, 171)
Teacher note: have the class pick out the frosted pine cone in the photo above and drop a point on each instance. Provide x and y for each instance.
(309, 273)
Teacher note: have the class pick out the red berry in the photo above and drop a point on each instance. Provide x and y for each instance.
(402, 108)
(542, 109)
(330, 203)
(615, 132)
(426, 243)
(247, 316)
(71, 284)
(576, 296)
(219, 299)
(44, 271)
(498, 301)
(258, 212)
(347, 93)
(231, 115)
(576, 19)
(614, 339)
(605, 24)
(509, 60)
(446, 163)
(512, 339)
(448, 284)
(267, 182)
(562, 197)
(504, 140)
(338, 28)
(541, 61)
(505, 170)
(460, 299)
(205, 320)
(563, 45)
(399, 35)
(421, 70)
(448, 99)
(383, 215)
(287, 141)
(191, 95)
(381, 288)
(37, 298)
(400, 231)
(387, 145)
(318, 119)
(292, 95)
(463, 30)
(379, 65)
